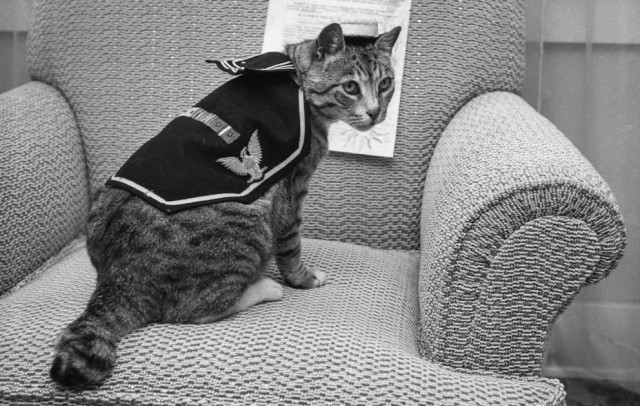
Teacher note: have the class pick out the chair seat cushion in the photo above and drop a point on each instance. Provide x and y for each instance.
(352, 341)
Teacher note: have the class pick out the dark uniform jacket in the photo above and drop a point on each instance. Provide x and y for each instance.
(231, 146)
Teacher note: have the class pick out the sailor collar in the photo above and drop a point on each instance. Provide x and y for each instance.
(232, 145)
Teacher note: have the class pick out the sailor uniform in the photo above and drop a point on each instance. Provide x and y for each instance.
(233, 145)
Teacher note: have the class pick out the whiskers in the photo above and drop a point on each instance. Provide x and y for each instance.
(358, 123)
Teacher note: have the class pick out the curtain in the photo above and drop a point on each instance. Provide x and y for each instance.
(14, 24)
(583, 74)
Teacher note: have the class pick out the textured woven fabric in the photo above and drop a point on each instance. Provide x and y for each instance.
(128, 67)
(43, 185)
(350, 342)
(515, 222)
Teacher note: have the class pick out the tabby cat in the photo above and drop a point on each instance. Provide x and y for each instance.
(205, 263)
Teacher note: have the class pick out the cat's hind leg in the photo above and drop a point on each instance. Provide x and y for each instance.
(264, 290)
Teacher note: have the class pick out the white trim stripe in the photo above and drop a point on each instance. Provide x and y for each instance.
(235, 66)
(280, 66)
(227, 66)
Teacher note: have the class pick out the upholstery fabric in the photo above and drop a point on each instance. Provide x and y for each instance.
(43, 184)
(127, 68)
(338, 344)
(515, 222)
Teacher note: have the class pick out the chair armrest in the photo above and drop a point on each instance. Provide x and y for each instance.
(515, 222)
(43, 179)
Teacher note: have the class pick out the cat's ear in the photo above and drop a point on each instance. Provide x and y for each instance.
(386, 41)
(330, 41)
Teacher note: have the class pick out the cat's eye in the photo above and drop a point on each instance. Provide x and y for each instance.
(351, 87)
(385, 84)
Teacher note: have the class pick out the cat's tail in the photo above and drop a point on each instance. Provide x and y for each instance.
(86, 350)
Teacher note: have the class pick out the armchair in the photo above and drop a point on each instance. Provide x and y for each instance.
(447, 264)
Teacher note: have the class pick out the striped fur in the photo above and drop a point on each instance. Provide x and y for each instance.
(202, 264)
(333, 61)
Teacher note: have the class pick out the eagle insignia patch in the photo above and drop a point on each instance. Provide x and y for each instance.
(249, 162)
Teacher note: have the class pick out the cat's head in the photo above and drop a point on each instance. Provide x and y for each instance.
(347, 78)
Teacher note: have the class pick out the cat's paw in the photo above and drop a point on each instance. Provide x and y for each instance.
(269, 290)
(314, 279)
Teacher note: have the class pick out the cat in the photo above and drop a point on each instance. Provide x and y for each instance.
(205, 263)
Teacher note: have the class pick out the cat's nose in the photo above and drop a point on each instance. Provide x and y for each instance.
(373, 113)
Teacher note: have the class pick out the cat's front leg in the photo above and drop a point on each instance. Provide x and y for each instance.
(290, 264)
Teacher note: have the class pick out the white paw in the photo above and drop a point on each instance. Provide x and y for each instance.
(320, 277)
(270, 290)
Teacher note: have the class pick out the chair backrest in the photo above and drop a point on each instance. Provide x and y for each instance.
(128, 67)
